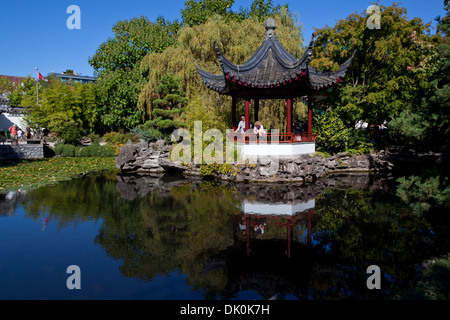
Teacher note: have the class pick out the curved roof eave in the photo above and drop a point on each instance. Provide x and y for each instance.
(322, 80)
(283, 57)
(215, 82)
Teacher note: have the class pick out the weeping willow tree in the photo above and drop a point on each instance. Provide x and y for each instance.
(238, 40)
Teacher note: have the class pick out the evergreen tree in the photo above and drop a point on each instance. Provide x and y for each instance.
(428, 123)
(168, 104)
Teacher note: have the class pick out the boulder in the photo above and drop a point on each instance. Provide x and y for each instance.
(127, 154)
(150, 164)
(292, 169)
(160, 144)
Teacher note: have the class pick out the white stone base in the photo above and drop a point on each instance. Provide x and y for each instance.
(281, 149)
(265, 209)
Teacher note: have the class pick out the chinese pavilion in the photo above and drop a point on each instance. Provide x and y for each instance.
(273, 73)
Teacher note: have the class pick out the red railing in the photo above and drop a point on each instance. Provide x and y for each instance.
(283, 137)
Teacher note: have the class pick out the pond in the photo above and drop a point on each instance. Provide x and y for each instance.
(171, 238)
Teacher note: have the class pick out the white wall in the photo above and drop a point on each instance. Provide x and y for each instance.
(281, 149)
(259, 208)
(7, 120)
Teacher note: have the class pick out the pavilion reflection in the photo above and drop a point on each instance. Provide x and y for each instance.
(296, 218)
(272, 254)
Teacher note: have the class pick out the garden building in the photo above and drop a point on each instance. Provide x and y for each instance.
(273, 73)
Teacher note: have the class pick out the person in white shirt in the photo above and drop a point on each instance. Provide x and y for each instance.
(19, 134)
(241, 126)
(259, 130)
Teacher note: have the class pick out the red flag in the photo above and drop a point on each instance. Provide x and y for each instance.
(41, 77)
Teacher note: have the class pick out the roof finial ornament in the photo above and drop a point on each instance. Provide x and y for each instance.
(270, 25)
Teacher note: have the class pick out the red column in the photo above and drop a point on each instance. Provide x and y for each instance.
(247, 114)
(309, 115)
(289, 240)
(309, 228)
(289, 115)
(247, 229)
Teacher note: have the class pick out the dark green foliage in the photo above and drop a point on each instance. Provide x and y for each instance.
(115, 138)
(65, 150)
(70, 131)
(432, 282)
(117, 64)
(197, 12)
(333, 135)
(423, 193)
(381, 80)
(132, 40)
(93, 150)
(428, 123)
(168, 105)
(148, 135)
(118, 92)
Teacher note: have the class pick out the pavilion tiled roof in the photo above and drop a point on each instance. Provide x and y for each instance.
(271, 72)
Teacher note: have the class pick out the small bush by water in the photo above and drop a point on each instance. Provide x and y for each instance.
(94, 150)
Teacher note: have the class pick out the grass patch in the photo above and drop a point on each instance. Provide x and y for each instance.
(29, 174)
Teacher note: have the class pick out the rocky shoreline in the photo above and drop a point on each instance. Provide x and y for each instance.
(134, 185)
(154, 158)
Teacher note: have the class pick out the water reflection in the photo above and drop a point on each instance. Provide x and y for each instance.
(234, 241)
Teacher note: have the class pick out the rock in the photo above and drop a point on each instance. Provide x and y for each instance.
(264, 161)
(267, 171)
(145, 154)
(141, 146)
(127, 154)
(330, 164)
(160, 144)
(167, 149)
(151, 164)
(129, 167)
(363, 164)
(155, 157)
(292, 169)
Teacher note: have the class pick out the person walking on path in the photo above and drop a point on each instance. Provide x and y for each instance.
(13, 131)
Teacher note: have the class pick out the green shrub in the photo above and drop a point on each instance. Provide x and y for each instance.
(93, 150)
(118, 139)
(68, 150)
(89, 151)
(65, 150)
(148, 135)
(115, 138)
(333, 135)
(107, 151)
(58, 148)
(208, 170)
(95, 138)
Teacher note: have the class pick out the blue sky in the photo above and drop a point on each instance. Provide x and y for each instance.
(34, 33)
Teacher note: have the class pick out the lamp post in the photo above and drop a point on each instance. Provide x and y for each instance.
(37, 87)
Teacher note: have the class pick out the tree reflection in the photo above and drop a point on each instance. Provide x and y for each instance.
(158, 225)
